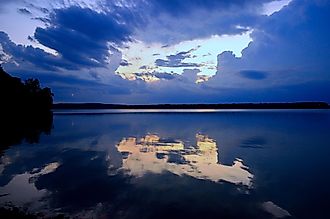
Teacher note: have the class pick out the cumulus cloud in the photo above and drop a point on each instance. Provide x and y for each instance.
(292, 46)
(296, 39)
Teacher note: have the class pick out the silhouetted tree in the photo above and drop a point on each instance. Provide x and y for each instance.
(25, 110)
(32, 85)
(28, 96)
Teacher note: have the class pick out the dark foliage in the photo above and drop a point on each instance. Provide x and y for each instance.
(22, 97)
(15, 129)
(25, 110)
(17, 213)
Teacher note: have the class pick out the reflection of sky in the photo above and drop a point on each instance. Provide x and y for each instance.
(83, 167)
(21, 190)
(152, 154)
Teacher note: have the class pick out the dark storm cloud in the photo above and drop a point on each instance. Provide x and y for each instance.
(81, 35)
(176, 60)
(253, 75)
(38, 57)
(72, 46)
(187, 20)
(98, 26)
(181, 8)
(172, 21)
(287, 42)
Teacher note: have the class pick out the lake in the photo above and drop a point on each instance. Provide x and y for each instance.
(156, 164)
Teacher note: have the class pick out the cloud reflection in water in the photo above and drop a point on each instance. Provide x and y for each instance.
(151, 154)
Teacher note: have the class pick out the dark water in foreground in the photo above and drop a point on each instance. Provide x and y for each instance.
(249, 164)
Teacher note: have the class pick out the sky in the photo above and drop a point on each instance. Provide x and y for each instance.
(170, 51)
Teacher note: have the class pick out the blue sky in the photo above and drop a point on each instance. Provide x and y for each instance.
(170, 51)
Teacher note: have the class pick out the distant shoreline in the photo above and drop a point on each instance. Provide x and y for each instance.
(293, 105)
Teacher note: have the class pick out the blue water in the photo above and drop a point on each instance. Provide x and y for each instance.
(223, 164)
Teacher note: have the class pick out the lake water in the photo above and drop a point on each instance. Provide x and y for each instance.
(221, 164)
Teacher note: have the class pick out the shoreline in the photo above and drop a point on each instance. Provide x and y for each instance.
(221, 106)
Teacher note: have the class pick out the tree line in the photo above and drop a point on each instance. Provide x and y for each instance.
(16, 95)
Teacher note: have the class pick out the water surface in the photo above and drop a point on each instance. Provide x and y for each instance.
(214, 164)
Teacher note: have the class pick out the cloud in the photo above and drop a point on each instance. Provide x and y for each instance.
(296, 39)
(124, 63)
(199, 53)
(253, 75)
(286, 61)
(176, 60)
(22, 54)
(190, 75)
(291, 46)
(170, 5)
(187, 20)
(83, 36)
(173, 21)
(41, 9)
(24, 11)
(96, 25)
(165, 76)
(42, 19)
(71, 87)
